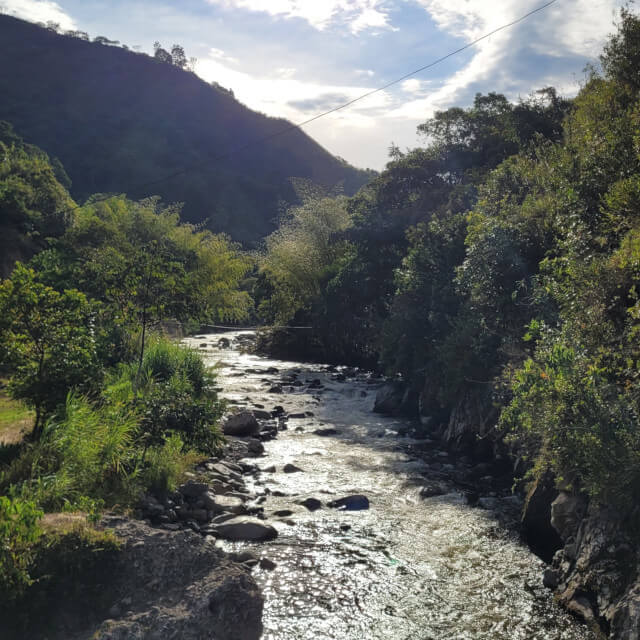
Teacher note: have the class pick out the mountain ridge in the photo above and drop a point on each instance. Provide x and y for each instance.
(119, 120)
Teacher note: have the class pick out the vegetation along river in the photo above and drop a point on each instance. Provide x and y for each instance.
(407, 568)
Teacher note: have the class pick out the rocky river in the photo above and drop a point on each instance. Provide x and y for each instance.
(419, 563)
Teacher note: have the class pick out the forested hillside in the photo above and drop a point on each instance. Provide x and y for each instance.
(495, 272)
(117, 119)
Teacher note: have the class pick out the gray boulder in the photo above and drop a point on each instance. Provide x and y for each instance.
(246, 528)
(243, 423)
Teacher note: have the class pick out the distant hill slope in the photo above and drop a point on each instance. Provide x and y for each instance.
(117, 119)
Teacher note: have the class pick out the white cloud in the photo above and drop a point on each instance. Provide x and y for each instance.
(38, 11)
(219, 54)
(578, 28)
(358, 14)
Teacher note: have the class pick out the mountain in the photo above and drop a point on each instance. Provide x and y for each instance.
(121, 121)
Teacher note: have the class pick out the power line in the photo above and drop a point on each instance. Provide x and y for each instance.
(299, 125)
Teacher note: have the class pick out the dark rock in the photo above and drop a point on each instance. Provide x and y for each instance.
(261, 414)
(243, 423)
(433, 489)
(282, 513)
(389, 399)
(313, 504)
(550, 578)
(267, 564)
(567, 511)
(224, 343)
(350, 503)
(291, 468)
(192, 489)
(278, 410)
(296, 416)
(255, 447)
(536, 517)
(330, 431)
(276, 388)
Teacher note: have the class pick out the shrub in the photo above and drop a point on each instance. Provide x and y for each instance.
(166, 464)
(19, 532)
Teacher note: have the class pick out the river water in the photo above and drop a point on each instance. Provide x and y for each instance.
(405, 569)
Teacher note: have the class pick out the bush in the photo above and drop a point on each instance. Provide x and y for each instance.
(19, 532)
(166, 465)
(172, 392)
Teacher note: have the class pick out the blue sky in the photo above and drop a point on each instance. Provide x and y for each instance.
(294, 58)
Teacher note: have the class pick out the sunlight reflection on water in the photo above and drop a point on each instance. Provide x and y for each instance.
(407, 568)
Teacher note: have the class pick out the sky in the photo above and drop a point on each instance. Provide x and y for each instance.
(297, 58)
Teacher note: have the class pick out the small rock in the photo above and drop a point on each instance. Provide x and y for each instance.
(550, 578)
(193, 489)
(313, 504)
(297, 416)
(291, 468)
(326, 432)
(267, 564)
(276, 388)
(350, 503)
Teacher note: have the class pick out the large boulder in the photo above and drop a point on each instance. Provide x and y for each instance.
(567, 512)
(243, 423)
(389, 399)
(246, 528)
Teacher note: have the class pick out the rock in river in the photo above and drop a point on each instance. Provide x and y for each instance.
(350, 503)
(291, 468)
(243, 423)
(246, 528)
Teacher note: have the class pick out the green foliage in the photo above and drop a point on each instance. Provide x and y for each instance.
(19, 532)
(172, 392)
(301, 254)
(566, 408)
(167, 464)
(48, 338)
(34, 205)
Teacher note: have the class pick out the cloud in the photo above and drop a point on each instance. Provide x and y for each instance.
(357, 14)
(219, 54)
(38, 11)
(572, 34)
(320, 103)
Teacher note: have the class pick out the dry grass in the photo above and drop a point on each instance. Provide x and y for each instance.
(63, 522)
(16, 420)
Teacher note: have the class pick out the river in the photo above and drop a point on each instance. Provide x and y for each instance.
(407, 568)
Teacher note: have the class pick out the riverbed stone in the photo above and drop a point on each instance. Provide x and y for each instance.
(313, 504)
(291, 468)
(356, 502)
(192, 489)
(329, 431)
(246, 528)
(243, 423)
(219, 503)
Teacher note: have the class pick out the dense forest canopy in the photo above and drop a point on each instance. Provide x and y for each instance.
(495, 272)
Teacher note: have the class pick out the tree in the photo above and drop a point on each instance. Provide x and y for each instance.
(178, 56)
(48, 338)
(161, 54)
(145, 266)
(34, 206)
